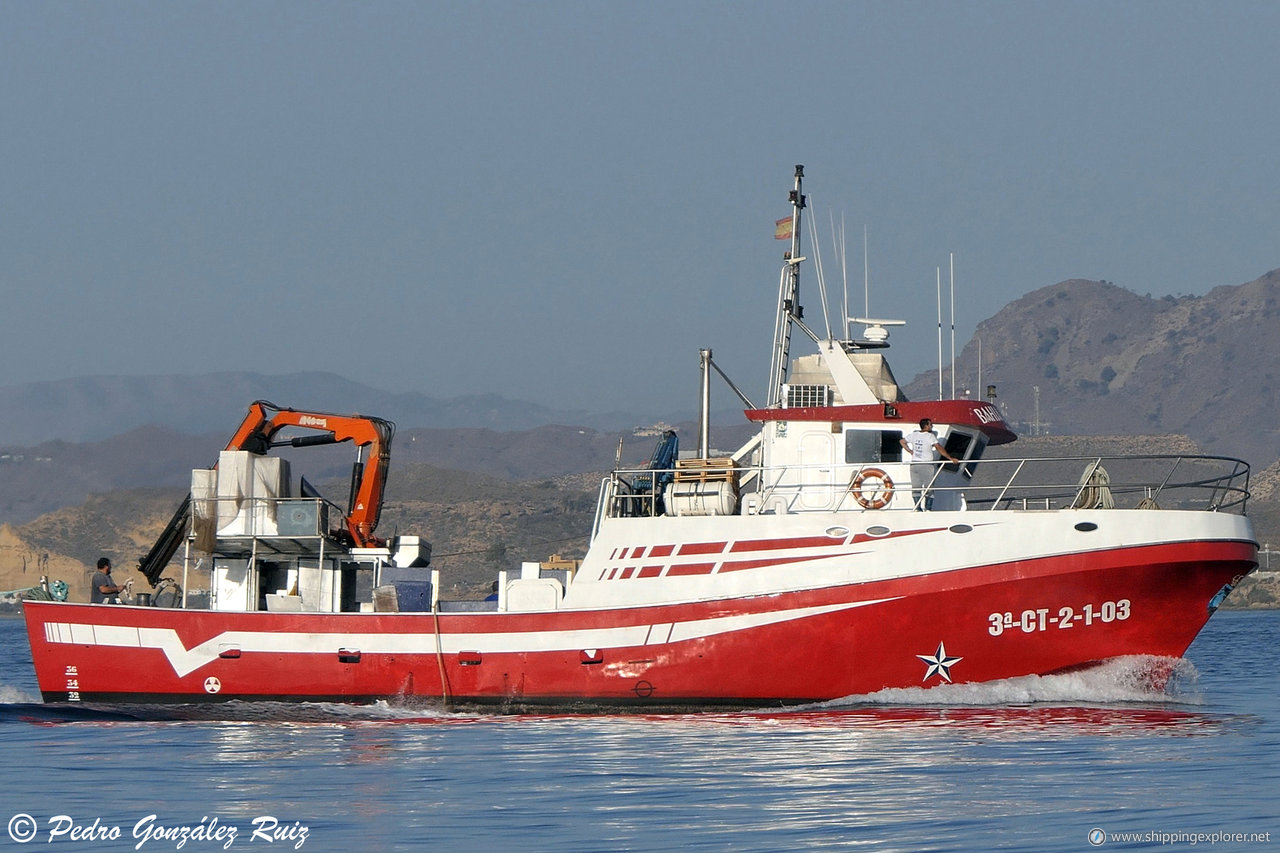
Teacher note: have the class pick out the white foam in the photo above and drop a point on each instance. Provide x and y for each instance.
(1136, 678)
(383, 710)
(10, 695)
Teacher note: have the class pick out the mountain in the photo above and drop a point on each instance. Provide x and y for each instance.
(93, 408)
(477, 524)
(549, 451)
(1105, 360)
(40, 479)
(96, 465)
(1109, 361)
(56, 474)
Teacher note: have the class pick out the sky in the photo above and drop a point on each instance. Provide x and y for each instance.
(563, 201)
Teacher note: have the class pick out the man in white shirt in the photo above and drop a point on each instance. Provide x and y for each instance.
(924, 449)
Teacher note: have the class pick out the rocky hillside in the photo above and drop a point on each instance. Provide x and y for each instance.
(41, 479)
(1107, 360)
(55, 474)
(476, 523)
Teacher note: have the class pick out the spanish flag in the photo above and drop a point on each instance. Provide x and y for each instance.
(782, 229)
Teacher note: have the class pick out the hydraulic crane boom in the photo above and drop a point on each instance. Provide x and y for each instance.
(257, 434)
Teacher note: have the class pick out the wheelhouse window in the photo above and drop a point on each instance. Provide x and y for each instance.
(871, 445)
(966, 446)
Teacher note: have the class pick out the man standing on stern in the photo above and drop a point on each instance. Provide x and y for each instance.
(102, 587)
(924, 449)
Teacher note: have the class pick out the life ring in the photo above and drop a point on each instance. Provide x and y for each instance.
(881, 488)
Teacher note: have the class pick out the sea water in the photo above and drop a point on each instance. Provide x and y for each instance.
(1060, 763)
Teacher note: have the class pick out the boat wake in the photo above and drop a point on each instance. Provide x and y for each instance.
(10, 695)
(321, 713)
(1135, 679)
(1126, 682)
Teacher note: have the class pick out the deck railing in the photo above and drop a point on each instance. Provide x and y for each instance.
(1173, 481)
(238, 523)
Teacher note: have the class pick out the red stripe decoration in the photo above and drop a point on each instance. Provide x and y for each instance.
(780, 544)
(691, 569)
(650, 572)
(866, 537)
(701, 548)
(738, 565)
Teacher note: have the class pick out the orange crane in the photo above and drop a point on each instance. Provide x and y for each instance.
(257, 434)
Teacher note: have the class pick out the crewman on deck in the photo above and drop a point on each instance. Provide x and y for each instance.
(102, 588)
(924, 448)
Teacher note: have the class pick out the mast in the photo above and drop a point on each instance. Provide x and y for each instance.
(939, 272)
(953, 325)
(704, 408)
(788, 299)
(866, 275)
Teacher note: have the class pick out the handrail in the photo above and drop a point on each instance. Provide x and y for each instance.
(1167, 477)
(773, 487)
(991, 484)
(602, 503)
(254, 517)
(1016, 472)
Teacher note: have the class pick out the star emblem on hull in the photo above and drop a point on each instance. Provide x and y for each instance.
(939, 663)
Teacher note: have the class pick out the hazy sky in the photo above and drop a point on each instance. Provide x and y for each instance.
(563, 201)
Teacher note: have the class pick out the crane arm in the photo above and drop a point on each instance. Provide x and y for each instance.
(371, 436)
(257, 434)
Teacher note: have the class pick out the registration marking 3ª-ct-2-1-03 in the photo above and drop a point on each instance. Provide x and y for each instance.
(1031, 621)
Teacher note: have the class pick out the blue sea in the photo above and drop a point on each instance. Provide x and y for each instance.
(1063, 763)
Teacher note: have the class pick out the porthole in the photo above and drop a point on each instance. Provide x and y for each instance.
(1086, 527)
(837, 532)
(878, 530)
(961, 528)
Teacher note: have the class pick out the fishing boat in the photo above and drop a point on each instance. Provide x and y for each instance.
(818, 561)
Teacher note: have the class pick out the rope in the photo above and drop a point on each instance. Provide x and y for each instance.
(57, 591)
(444, 678)
(1095, 491)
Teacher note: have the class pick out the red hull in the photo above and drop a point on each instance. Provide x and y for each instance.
(1035, 616)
